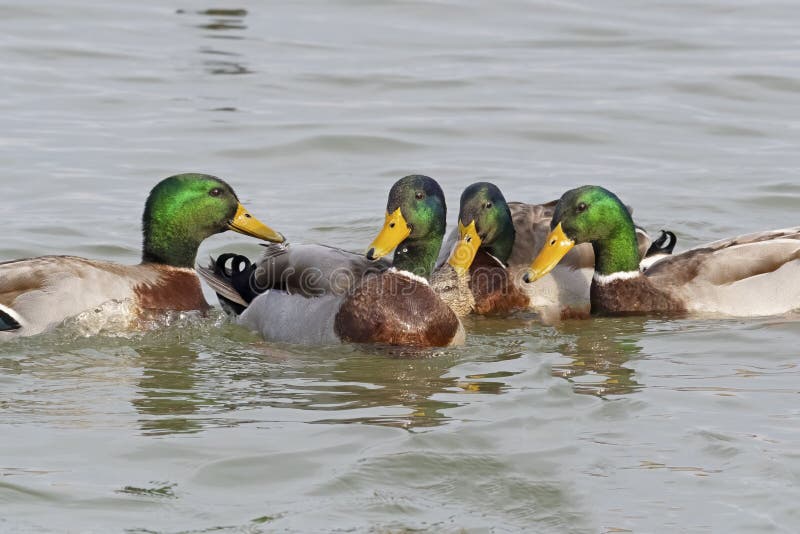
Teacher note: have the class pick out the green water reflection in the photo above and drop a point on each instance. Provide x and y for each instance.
(168, 390)
(598, 350)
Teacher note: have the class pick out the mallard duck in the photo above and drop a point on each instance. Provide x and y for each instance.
(755, 274)
(494, 244)
(37, 294)
(315, 294)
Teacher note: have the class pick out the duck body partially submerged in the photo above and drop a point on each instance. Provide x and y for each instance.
(487, 278)
(750, 275)
(38, 294)
(314, 294)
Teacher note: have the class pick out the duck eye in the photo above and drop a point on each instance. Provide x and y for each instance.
(420, 195)
(488, 205)
(581, 207)
(215, 192)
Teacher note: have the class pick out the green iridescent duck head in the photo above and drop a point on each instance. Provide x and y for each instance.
(414, 225)
(484, 223)
(590, 214)
(183, 210)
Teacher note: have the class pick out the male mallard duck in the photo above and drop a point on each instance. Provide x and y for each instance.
(755, 274)
(317, 294)
(494, 245)
(39, 293)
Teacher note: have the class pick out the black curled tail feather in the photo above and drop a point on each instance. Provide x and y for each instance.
(238, 275)
(222, 279)
(665, 244)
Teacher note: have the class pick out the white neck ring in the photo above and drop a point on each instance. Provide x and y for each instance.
(603, 279)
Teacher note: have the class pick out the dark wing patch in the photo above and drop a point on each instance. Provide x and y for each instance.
(7, 322)
(312, 270)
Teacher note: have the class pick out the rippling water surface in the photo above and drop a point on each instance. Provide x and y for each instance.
(311, 110)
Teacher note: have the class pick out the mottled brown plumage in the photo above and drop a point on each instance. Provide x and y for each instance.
(564, 293)
(633, 296)
(394, 309)
(493, 288)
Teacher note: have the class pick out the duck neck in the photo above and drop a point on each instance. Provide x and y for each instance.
(502, 245)
(169, 245)
(417, 256)
(618, 253)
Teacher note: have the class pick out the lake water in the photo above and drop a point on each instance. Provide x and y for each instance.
(688, 109)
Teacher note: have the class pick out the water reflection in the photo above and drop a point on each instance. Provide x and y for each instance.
(392, 379)
(180, 392)
(351, 384)
(224, 19)
(598, 350)
(168, 390)
(222, 23)
(223, 66)
(193, 376)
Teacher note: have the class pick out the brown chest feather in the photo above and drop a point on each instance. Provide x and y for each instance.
(493, 288)
(174, 290)
(637, 295)
(392, 309)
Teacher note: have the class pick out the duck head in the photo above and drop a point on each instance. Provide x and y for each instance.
(183, 210)
(484, 223)
(589, 214)
(414, 225)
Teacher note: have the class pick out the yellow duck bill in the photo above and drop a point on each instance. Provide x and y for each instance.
(395, 230)
(467, 247)
(555, 247)
(246, 224)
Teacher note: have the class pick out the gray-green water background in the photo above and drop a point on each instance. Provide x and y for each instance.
(688, 109)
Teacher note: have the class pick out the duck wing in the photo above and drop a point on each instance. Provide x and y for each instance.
(311, 270)
(303, 270)
(21, 276)
(38, 293)
(753, 274)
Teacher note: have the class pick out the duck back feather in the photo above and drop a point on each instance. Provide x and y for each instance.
(754, 274)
